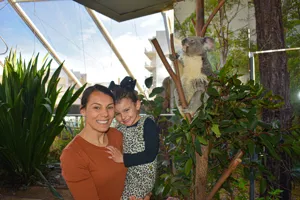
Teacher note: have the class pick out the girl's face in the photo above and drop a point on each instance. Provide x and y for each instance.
(127, 112)
(99, 112)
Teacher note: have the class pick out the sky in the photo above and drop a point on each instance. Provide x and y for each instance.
(75, 38)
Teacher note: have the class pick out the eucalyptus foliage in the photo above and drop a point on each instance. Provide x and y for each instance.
(30, 114)
(228, 120)
(153, 104)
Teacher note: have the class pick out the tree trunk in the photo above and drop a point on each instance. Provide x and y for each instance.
(201, 161)
(201, 174)
(275, 77)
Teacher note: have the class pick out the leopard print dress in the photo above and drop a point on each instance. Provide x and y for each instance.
(140, 179)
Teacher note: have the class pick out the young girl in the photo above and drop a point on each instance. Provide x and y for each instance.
(140, 141)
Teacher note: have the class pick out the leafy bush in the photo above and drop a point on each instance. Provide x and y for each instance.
(62, 140)
(228, 120)
(29, 117)
(59, 143)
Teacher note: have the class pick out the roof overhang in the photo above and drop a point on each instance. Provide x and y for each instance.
(121, 10)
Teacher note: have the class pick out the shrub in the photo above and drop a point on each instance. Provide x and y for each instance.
(29, 117)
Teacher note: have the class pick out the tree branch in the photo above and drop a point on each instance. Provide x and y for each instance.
(203, 31)
(233, 164)
(174, 54)
(199, 16)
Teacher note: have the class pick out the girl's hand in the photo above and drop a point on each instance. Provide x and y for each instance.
(147, 197)
(115, 154)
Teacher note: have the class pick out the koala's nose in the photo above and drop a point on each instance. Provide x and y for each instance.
(184, 41)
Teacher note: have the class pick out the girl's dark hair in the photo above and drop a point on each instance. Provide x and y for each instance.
(124, 90)
(121, 93)
(88, 91)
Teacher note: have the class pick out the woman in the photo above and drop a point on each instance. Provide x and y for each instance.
(89, 173)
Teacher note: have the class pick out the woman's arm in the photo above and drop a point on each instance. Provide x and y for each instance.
(77, 176)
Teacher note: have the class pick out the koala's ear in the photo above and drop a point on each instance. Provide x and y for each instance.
(209, 43)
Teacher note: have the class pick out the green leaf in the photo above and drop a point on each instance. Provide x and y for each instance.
(48, 108)
(52, 189)
(212, 92)
(198, 146)
(296, 149)
(178, 140)
(188, 166)
(202, 140)
(264, 124)
(238, 112)
(160, 189)
(156, 91)
(236, 81)
(263, 186)
(269, 146)
(251, 147)
(216, 151)
(216, 130)
(232, 97)
(165, 176)
(149, 82)
(287, 150)
(166, 190)
(188, 136)
(159, 100)
(252, 124)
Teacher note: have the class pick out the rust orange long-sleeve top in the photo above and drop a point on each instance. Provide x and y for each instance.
(89, 173)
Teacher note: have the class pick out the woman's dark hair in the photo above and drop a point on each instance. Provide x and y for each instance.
(88, 91)
(124, 90)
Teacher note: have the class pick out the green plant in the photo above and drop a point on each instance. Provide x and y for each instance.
(59, 143)
(28, 122)
(228, 120)
(62, 140)
(153, 104)
(274, 194)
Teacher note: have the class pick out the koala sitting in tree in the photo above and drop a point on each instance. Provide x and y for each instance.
(194, 69)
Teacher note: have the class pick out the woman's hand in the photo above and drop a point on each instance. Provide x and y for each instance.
(115, 154)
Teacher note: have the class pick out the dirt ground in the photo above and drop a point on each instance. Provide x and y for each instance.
(39, 191)
(43, 193)
(33, 193)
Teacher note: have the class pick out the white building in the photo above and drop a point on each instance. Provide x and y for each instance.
(156, 67)
(66, 82)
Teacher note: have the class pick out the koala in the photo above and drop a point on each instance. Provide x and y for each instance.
(194, 69)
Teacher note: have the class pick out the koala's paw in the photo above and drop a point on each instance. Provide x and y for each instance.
(203, 80)
(173, 58)
(179, 108)
(186, 110)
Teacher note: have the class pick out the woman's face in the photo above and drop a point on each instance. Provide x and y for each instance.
(99, 112)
